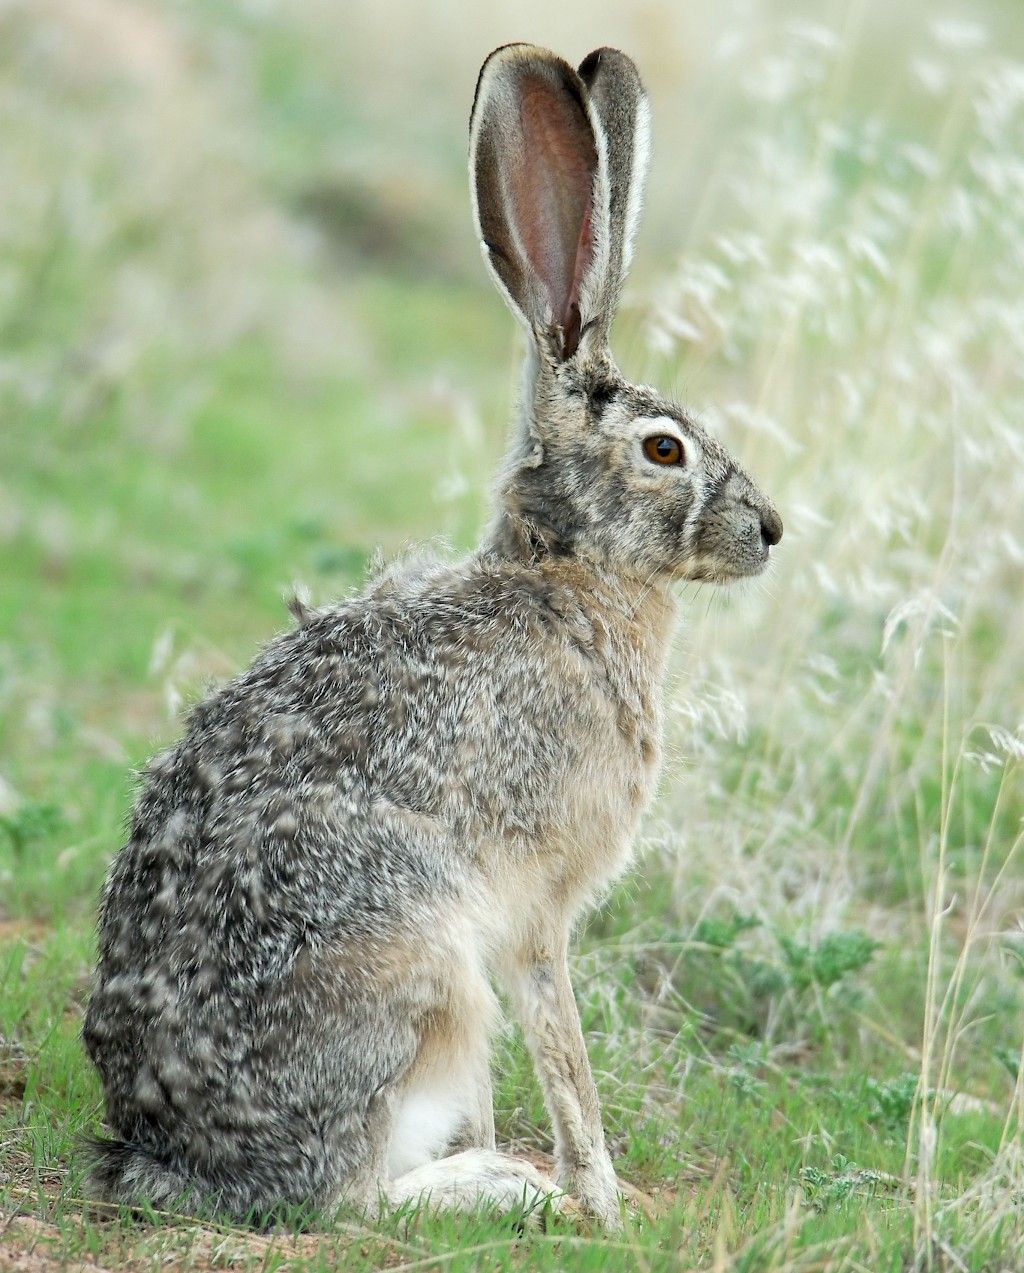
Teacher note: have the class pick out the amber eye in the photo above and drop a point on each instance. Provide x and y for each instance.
(663, 450)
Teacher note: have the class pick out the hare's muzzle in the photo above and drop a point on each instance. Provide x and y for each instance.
(771, 527)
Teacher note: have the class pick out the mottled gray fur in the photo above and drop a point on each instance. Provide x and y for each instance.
(415, 793)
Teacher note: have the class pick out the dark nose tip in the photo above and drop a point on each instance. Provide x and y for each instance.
(771, 527)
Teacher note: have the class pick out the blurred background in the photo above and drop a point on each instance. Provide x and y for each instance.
(246, 340)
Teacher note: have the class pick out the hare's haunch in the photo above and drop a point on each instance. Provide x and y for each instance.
(414, 794)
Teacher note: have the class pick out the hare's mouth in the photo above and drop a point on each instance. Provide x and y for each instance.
(747, 565)
(733, 542)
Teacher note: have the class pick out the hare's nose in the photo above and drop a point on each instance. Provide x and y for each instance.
(771, 527)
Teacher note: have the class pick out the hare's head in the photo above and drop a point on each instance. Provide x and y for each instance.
(603, 469)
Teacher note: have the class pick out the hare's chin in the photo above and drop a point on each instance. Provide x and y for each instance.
(724, 575)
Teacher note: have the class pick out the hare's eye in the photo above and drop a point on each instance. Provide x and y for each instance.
(663, 450)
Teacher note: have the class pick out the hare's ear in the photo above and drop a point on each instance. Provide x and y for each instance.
(539, 191)
(619, 105)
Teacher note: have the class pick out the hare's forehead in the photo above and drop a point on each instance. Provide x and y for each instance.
(632, 422)
(648, 423)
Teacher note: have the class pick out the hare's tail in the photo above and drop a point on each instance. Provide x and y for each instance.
(128, 1175)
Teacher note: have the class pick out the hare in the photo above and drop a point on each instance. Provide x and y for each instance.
(412, 796)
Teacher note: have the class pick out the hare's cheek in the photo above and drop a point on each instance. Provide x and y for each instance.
(679, 516)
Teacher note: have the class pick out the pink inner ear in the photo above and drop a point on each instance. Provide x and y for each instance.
(584, 251)
(552, 191)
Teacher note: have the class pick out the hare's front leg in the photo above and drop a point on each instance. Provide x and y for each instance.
(538, 982)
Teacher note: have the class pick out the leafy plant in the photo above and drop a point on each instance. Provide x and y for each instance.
(890, 1103)
(836, 956)
(826, 1189)
(722, 932)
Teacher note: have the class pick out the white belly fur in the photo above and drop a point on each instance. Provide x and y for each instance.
(447, 1082)
(428, 1117)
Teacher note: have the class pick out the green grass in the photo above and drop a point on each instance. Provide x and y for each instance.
(232, 368)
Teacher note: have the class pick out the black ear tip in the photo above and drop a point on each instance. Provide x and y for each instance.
(607, 60)
(588, 67)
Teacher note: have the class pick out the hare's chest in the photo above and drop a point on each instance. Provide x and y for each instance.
(584, 842)
(613, 781)
(619, 734)
(606, 779)
(556, 761)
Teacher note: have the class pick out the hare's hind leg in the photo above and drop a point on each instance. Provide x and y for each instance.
(444, 1105)
(444, 1102)
(442, 1109)
(474, 1177)
(477, 1128)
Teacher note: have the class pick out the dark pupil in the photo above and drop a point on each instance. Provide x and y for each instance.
(665, 447)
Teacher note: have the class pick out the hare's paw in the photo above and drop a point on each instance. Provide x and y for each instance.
(596, 1190)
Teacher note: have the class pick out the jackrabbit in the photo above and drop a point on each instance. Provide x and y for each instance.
(418, 791)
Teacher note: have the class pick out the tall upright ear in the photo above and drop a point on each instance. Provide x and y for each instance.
(539, 190)
(619, 104)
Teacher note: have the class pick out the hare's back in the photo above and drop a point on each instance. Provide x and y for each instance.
(267, 809)
(340, 784)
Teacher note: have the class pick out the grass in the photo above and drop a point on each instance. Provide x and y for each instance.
(245, 343)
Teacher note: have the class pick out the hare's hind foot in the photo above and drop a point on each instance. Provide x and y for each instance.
(475, 1177)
